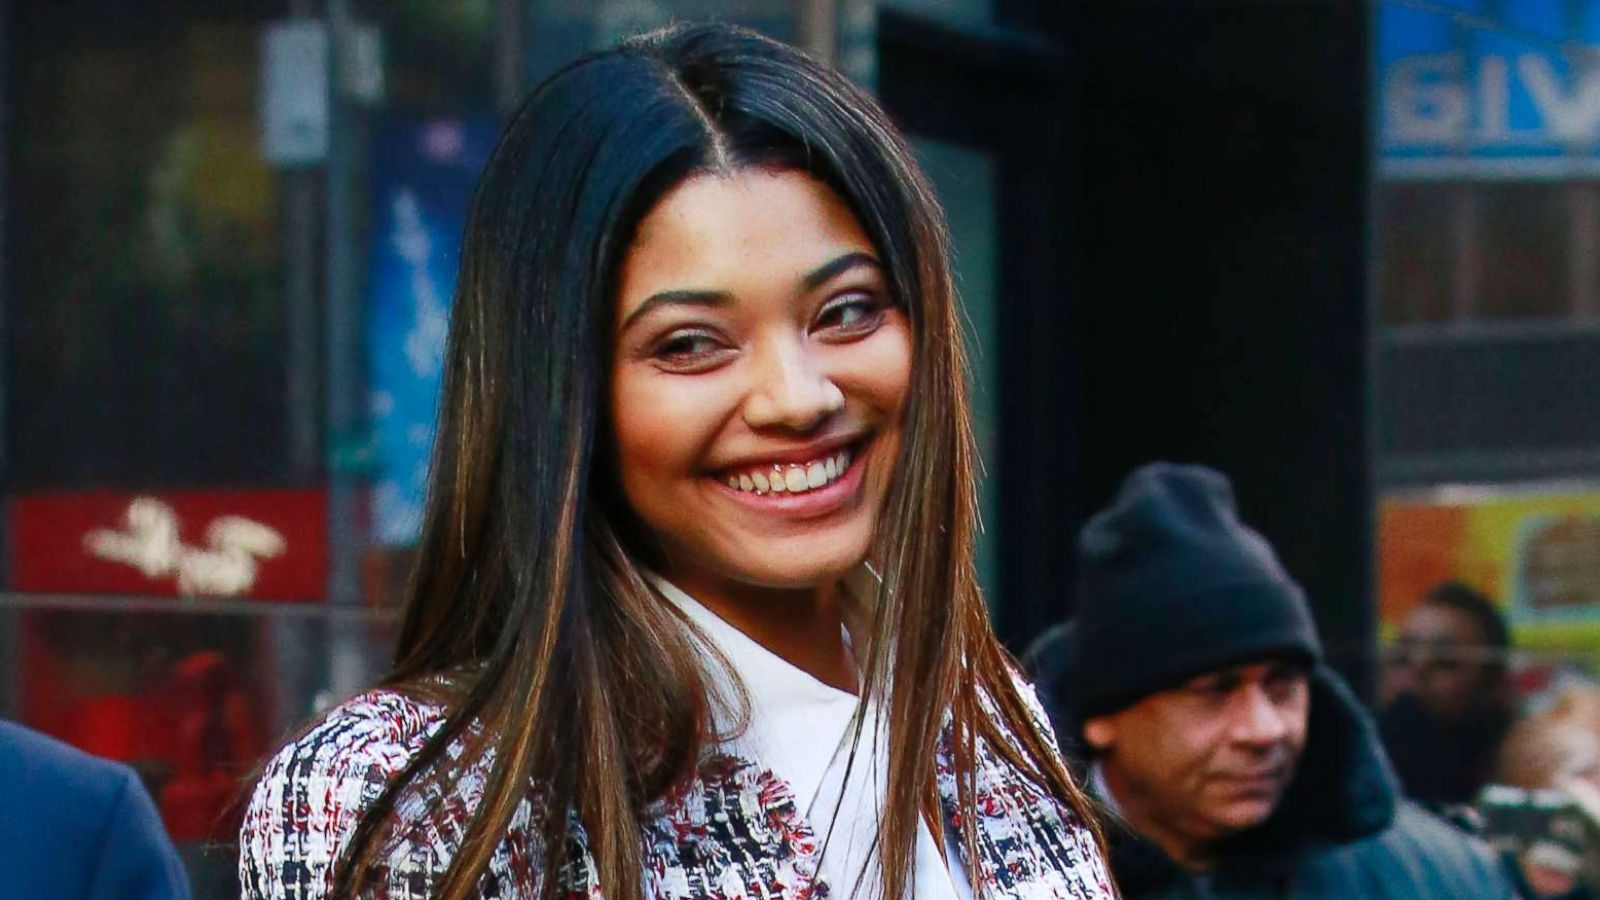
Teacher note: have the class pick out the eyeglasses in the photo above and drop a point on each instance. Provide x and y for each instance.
(1428, 655)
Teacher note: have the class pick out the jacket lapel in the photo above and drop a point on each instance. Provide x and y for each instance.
(734, 833)
(1029, 846)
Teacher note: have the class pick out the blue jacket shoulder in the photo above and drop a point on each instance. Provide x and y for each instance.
(76, 825)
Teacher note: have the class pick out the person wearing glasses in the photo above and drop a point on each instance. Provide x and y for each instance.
(1446, 696)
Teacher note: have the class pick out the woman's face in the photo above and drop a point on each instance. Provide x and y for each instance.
(760, 370)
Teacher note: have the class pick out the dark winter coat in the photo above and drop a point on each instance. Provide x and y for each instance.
(1341, 831)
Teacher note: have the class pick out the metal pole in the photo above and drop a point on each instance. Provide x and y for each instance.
(346, 532)
(300, 297)
(10, 621)
(1464, 275)
(1584, 216)
(5, 283)
(297, 645)
(857, 41)
(510, 64)
(817, 27)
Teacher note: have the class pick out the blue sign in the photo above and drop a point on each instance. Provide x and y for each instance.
(422, 179)
(1491, 87)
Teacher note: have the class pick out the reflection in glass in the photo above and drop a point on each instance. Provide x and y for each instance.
(191, 700)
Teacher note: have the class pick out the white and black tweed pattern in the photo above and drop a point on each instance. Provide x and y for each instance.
(734, 834)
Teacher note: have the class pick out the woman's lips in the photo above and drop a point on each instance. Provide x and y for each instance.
(792, 477)
(834, 491)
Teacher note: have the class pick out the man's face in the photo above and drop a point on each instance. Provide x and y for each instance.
(1201, 762)
(1438, 658)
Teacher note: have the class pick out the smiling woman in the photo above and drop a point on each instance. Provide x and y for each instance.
(694, 612)
(732, 418)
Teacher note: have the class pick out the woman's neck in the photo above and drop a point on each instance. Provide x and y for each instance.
(803, 626)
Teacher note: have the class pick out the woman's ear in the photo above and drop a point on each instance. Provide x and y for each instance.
(1100, 733)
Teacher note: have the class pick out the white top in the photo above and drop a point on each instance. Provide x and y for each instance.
(1102, 788)
(800, 728)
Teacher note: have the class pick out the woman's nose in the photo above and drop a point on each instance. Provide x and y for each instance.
(791, 390)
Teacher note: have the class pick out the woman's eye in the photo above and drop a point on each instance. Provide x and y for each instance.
(687, 345)
(689, 350)
(851, 315)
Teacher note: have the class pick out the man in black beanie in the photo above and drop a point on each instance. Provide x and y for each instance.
(1234, 763)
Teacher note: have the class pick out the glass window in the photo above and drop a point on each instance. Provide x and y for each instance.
(1521, 251)
(147, 332)
(1416, 236)
(966, 181)
(191, 699)
(437, 54)
(156, 376)
(1457, 251)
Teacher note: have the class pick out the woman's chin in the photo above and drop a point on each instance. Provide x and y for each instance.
(795, 565)
(791, 576)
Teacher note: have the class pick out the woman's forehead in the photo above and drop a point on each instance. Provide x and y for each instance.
(724, 233)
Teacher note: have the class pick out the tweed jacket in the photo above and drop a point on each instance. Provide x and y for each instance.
(735, 833)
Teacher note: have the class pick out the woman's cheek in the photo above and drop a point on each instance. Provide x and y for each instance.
(883, 372)
(662, 420)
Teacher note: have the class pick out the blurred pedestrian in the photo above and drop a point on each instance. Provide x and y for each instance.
(1447, 698)
(1557, 748)
(1544, 810)
(78, 827)
(1192, 683)
(694, 613)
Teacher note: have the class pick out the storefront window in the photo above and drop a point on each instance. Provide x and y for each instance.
(1487, 239)
(1416, 250)
(167, 521)
(203, 546)
(1459, 250)
(147, 336)
(1521, 244)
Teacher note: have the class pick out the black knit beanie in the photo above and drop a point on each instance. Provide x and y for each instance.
(1171, 585)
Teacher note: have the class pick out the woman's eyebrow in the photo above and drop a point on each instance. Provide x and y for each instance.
(827, 271)
(706, 298)
(711, 299)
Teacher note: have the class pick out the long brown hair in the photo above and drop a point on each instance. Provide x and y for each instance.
(566, 671)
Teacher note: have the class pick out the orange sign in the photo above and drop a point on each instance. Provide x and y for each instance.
(1535, 549)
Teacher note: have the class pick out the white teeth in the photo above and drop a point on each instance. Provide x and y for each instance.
(817, 475)
(793, 479)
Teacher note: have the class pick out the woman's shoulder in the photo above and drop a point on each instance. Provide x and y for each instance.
(313, 791)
